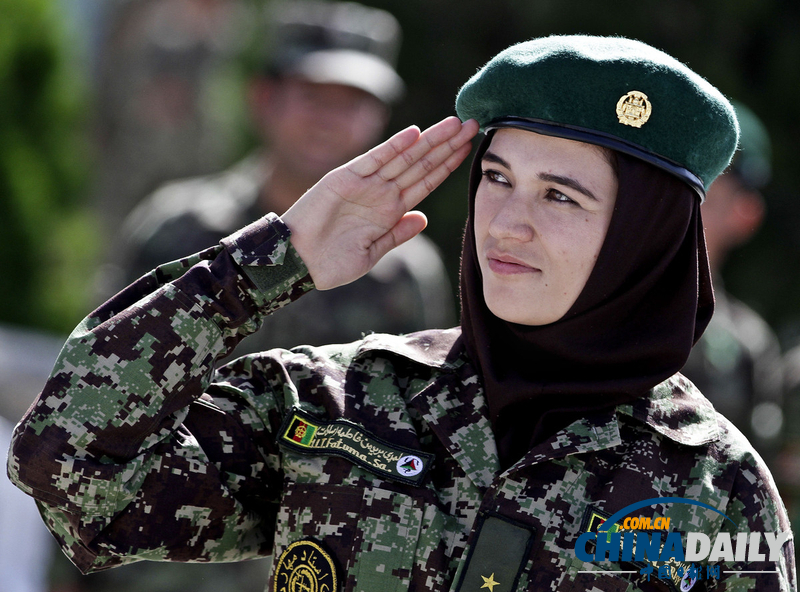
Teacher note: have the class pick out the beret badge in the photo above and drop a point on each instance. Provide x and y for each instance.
(634, 109)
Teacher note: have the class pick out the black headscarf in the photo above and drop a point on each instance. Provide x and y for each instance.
(646, 302)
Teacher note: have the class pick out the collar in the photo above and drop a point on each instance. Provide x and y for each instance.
(677, 409)
(434, 348)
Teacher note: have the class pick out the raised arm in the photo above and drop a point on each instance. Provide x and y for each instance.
(131, 421)
(357, 213)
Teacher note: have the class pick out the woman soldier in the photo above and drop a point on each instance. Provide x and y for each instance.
(480, 457)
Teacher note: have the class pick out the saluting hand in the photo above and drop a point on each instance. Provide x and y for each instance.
(358, 212)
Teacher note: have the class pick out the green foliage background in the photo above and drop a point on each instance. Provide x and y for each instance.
(46, 243)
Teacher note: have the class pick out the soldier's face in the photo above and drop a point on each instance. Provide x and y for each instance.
(318, 127)
(542, 210)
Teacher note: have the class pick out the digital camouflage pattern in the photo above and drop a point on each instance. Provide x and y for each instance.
(138, 449)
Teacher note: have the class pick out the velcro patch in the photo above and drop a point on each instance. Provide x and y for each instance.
(497, 556)
(302, 432)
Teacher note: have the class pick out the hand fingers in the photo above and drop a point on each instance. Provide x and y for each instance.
(423, 187)
(433, 137)
(369, 163)
(436, 156)
(404, 150)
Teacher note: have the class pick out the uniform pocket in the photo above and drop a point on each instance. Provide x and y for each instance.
(371, 533)
(390, 528)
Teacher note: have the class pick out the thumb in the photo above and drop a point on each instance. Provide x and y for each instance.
(409, 226)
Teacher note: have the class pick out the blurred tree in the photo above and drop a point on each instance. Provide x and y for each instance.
(46, 245)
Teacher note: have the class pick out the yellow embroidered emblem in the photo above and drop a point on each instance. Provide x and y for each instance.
(305, 567)
(634, 109)
(489, 583)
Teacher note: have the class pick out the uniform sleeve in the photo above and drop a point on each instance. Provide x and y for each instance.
(131, 450)
(756, 508)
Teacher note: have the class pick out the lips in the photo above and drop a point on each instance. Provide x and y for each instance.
(505, 264)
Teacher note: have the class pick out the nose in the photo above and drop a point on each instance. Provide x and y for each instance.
(513, 219)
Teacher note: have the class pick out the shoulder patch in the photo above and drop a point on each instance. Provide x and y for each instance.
(302, 432)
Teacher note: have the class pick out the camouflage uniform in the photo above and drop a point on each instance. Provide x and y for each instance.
(137, 449)
(787, 471)
(407, 291)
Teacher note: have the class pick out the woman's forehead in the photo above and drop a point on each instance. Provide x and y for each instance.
(525, 140)
(524, 150)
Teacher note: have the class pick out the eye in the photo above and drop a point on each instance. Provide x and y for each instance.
(556, 196)
(495, 177)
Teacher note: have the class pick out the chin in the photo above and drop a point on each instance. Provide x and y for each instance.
(504, 309)
(511, 314)
(526, 320)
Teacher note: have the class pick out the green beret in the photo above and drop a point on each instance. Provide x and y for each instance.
(611, 91)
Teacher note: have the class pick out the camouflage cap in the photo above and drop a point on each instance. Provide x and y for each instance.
(336, 42)
(610, 91)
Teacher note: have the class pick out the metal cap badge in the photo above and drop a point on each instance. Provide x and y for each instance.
(634, 109)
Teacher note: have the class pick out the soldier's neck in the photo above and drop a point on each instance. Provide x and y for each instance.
(281, 191)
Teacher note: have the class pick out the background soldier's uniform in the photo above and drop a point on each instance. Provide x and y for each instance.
(136, 450)
(737, 365)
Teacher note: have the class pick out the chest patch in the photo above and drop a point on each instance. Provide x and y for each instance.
(302, 432)
(497, 556)
(305, 567)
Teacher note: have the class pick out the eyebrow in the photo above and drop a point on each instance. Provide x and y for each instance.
(552, 178)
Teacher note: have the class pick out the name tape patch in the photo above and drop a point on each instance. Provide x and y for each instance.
(304, 433)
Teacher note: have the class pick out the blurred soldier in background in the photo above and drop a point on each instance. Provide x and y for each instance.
(322, 96)
(737, 362)
(162, 70)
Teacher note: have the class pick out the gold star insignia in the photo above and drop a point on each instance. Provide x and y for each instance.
(489, 583)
